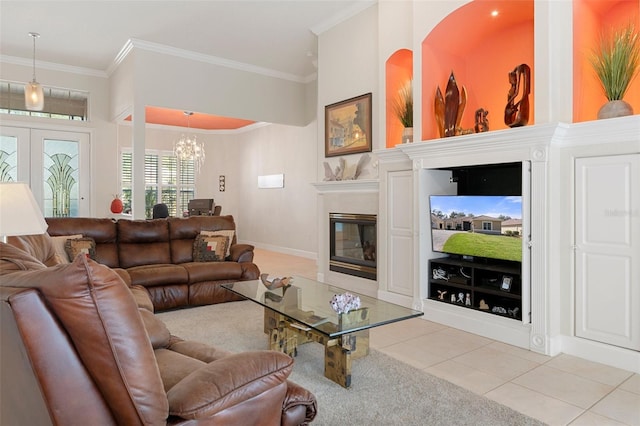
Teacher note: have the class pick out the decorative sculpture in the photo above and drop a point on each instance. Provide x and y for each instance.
(516, 113)
(345, 302)
(449, 109)
(276, 282)
(344, 171)
(482, 123)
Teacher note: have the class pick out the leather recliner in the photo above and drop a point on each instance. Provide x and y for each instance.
(77, 349)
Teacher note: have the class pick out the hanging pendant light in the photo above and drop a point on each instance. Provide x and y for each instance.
(187, 148)
(33, 95)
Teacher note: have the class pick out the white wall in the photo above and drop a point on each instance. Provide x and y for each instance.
(348, 67)
(278, 219)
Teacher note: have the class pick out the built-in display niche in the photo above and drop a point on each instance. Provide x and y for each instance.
(353, 241)
(479, 228)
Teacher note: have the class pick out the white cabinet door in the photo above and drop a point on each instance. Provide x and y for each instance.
(400, 232)
(607, 254)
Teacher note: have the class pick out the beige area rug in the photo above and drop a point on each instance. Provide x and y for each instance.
(384, 391)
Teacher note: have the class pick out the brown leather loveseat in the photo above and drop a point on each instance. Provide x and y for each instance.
(159, 255)
(76, 349)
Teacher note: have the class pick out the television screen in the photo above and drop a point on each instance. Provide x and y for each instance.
(487, 226)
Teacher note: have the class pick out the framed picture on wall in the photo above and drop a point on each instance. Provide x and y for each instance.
(347, 126)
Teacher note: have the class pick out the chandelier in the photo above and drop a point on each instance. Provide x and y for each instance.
(33, 96)
(187, 147)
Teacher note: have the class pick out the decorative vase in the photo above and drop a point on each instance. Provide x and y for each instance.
(407, 135)
(615, 109)
(116, 205)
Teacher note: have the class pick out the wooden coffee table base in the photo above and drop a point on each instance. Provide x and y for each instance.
(338, 352)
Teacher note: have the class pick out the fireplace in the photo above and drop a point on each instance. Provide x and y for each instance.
(353, 239)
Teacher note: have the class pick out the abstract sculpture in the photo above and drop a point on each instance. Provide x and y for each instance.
(449, 110)
(482, 122)
(516, 113)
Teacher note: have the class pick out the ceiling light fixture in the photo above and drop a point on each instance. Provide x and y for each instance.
(494, 13)
(33, 96)
(187, 147)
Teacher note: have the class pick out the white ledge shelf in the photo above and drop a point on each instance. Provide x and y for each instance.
(363, 185)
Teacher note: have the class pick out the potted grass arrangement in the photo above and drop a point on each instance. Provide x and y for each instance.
(616, 62)
(403, 109)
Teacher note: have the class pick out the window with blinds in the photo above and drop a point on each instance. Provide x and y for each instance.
(167, 181)
(64, 104)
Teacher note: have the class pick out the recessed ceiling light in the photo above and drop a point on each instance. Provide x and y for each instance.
(494, 13)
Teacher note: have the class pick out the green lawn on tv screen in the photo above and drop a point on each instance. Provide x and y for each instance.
(484, 245)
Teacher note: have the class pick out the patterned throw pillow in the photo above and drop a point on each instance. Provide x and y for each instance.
(59, 245)
(229, 233)
(210, 248)
(75, 246)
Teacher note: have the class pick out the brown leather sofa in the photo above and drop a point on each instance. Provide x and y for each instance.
(158, 255)
(77, 349)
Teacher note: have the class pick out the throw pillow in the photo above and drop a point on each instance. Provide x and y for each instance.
(76, 246)
(210, 248)
(59, 246)
(229, 233)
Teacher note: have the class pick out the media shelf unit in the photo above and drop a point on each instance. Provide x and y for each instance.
(486, 286)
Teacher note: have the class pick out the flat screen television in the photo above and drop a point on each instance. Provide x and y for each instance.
(478, 226)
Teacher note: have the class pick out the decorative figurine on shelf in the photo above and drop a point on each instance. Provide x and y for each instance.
(449, 109)
(516, 113)
(482, 123)
(483, 305)
(467, 300)
(343, 303)
(344, 171)
(460, 297)
(441, 294)
(276, 282)
(453, 298)
(514, 312)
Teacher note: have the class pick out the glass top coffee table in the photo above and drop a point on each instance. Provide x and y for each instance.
(300, 313)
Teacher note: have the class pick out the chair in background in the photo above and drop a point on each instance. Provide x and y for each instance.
(160, 211)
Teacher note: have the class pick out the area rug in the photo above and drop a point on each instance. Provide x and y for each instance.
(383, 391)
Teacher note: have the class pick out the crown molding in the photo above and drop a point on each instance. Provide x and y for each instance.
(6, 59)
(358, 7)
(208, 59)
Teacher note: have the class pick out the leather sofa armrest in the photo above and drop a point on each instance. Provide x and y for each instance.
(227, 382)
(300, 406)
(241, 253)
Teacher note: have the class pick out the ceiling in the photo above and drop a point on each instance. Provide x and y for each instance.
(275, 35)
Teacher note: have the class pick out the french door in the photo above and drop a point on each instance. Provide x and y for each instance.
(54, 163)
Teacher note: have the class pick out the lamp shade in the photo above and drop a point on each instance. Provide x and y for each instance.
(19, 212)
(33, 96)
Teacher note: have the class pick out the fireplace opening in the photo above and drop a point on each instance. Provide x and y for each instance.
(353, 240)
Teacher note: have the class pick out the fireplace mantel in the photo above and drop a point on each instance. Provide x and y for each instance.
(362, 185)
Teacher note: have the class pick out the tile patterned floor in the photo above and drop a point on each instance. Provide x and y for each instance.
(561, 390)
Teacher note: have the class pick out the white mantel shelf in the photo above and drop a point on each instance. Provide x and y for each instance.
(363, 185)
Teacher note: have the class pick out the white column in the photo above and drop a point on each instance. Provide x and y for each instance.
(553, 70)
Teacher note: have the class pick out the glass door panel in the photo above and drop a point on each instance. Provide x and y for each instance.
(61, 178)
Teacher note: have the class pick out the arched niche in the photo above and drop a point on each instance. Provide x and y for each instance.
(481, 49)
(592, 18)
(399, 71)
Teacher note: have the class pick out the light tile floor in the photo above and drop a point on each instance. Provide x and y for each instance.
(561, 390)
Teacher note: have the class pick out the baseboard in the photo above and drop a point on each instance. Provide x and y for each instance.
(494, 327)
(398, 299)
(283, 250)
(613, 356)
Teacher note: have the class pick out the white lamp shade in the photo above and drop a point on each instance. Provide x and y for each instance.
(19, 212)
(33, 96)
